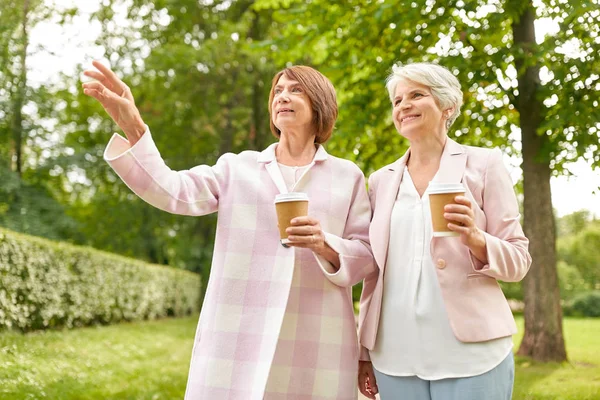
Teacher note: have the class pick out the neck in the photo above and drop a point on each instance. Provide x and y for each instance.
(427, 150)
(295, 149)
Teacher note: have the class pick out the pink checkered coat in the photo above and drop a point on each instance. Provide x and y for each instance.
(277, 323)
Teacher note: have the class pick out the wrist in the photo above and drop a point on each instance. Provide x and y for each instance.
(136, 131)
(478, 246)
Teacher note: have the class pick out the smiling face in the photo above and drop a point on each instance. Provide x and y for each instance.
(291, 107)
(416, 112)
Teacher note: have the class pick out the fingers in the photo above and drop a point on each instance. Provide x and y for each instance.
(96, 75)
(366, 380)
(462, 214)
(111, 77)
(460, 219)
(304, 221)
(457, 208)
(303, 230)
(306, 241)
(95, 90)
(463, 200)
(364, 386)
(372, 382)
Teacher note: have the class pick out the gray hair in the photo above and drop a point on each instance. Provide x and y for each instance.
(444, 86)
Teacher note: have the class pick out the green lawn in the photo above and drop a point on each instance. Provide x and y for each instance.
(578, 379)
(146, 360)
(149, 360)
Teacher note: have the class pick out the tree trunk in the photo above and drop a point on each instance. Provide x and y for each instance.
(543, 338)
(19, 98)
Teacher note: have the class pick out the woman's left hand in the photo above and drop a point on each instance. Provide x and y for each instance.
(463, 222)
(306, 232)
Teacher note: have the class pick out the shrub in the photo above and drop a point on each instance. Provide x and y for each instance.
(46, 284)
(584, 305)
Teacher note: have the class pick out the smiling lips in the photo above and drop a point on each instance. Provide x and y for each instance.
(408, 118)
(283, 110)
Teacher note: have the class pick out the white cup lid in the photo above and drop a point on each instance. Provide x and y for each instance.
(438, 188)
(292, 196)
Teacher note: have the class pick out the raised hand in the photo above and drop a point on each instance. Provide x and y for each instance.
(116, 98)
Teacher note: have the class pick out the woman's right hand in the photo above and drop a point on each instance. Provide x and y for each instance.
(116, 98)
(367, 384)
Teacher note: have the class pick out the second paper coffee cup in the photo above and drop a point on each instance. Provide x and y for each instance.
(441, 194)
(289, 206)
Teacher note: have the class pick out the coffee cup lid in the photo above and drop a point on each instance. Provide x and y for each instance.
(292, 196)
(438, 187)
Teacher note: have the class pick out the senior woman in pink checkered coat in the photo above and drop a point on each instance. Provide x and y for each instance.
(277, 322)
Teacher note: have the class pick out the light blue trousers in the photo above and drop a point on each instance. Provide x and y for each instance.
(496, 384)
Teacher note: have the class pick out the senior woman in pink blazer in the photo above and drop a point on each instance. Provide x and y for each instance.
(434, 324)
(277, 322)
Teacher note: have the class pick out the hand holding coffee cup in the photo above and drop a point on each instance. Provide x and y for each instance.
(462, 221)
(440, 196)
(288, 207)
(306, 232)
(452, 215)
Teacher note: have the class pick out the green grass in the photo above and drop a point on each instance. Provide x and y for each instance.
(147, 360)
(150, 360)
(578, 379)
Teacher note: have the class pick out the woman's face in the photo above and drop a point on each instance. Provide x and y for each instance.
(291, 108)
(415, 111)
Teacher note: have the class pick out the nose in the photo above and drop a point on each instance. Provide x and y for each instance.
(283, 98)
(405, 104)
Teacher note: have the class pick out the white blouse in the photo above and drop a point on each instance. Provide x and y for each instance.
(414, 335)
(291, 175)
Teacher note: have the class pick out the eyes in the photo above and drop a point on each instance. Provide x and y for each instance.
(414, 95)
(294, 89)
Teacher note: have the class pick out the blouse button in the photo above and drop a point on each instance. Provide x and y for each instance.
(441, 263)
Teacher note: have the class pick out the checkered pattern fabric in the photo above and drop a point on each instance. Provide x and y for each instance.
(277, 323)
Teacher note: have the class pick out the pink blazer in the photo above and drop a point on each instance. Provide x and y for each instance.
(476, 306)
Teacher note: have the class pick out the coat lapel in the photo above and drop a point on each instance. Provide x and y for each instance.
(267, 156)
(387, 191)
(452, 164)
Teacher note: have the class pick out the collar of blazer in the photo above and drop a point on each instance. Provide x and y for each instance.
(268, 154)
(267, 157)
(451, 170)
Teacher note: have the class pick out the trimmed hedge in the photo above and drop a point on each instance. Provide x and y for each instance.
(45, 284)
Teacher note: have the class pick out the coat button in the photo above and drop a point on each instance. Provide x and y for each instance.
(441, 263)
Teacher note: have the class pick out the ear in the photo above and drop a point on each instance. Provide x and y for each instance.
(448, 112)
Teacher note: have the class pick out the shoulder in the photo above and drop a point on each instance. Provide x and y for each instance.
(241, 158)
(382, 172)
(480, 159)
(347, 166)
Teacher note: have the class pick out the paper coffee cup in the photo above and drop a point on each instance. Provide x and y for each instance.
(289, 206)
(441, 194)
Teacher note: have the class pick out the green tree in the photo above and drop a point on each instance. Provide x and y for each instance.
(27, 203)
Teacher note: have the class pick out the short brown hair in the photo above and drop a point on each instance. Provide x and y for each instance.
(321, 94)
